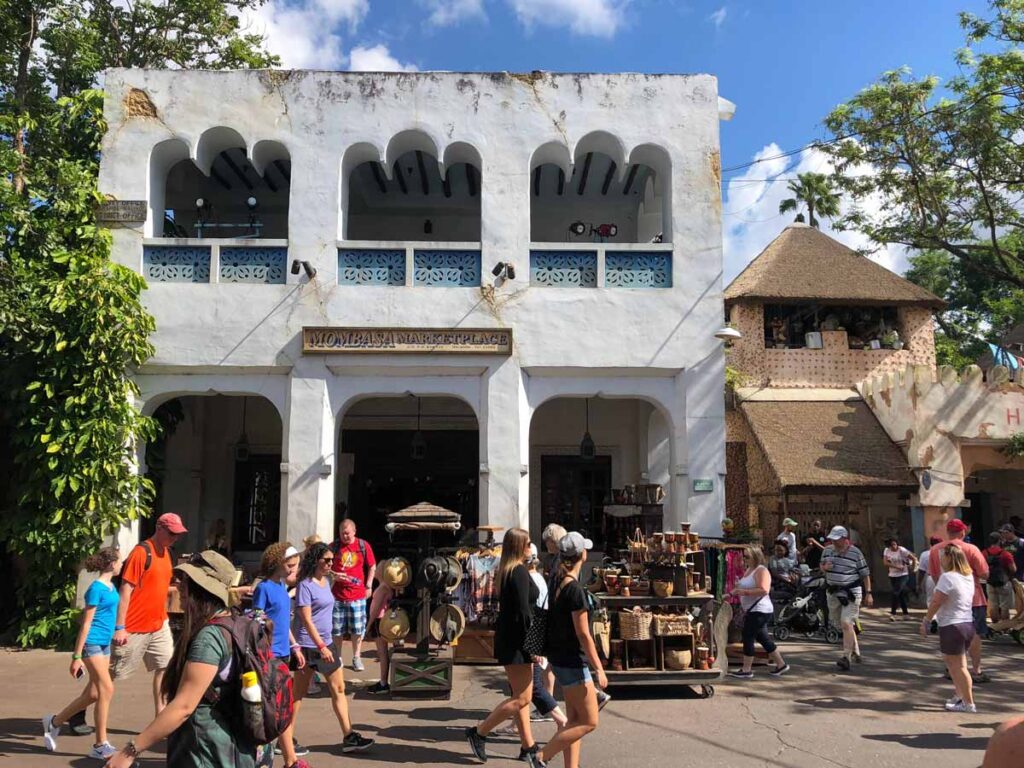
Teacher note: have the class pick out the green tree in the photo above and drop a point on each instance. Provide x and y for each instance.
(943, 170)
(816, 192)
(72, 324)
(979, 308)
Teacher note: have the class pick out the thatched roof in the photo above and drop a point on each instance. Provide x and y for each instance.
(802, 264)
(828, 444)
(424, 511)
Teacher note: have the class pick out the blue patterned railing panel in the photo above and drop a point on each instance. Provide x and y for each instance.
(176, 264)
(454, 269)
(371, 266)
(248, 264)
(564, 269)
(638, 269)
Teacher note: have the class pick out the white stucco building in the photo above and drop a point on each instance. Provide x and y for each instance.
(566, 227)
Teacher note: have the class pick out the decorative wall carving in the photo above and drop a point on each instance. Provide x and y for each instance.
(371, 266)
(176, 264)
(252, 265)
(564, 269)
(459, 269)
(638, 269)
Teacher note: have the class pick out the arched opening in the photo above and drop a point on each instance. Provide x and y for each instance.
(223, 193)
(411, 196)
(599, 196)
(399, 450)
(584, 452)
(217, 464)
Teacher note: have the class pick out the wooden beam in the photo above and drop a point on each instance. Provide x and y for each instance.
(424, 182)
(586, 172)
(446, 184)
(608, 178)
(630, 179)
(401, 179)
(236, 170)
(561, 182)
(536, 181)
(215, 175)
(471, 179)
(284, 170)
(268, 180)
(378, 176)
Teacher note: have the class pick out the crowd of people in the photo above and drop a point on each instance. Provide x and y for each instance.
(312, 600)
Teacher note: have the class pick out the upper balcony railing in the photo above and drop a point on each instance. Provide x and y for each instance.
(194, 260)
(601, 265)
(396, 263)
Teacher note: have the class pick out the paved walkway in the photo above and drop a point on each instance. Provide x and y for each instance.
(887, 712)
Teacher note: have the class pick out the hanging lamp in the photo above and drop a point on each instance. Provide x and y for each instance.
(242, 446)
(587, 448)
(419, 443)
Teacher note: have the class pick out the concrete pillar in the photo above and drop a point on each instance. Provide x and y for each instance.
(704, 441)
(307, 485)
(500, 499)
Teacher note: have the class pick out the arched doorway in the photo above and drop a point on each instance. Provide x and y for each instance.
(217, 464)
(396, 451)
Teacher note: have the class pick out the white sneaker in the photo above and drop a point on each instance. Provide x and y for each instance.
(961, 707)
(50, 733)
(951, 702)
(506, 730)
(102, 751)
(357, 664)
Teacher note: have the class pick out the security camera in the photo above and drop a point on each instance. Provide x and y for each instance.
(510, 271)
(309, 269)
(498, 269)
(295, 266)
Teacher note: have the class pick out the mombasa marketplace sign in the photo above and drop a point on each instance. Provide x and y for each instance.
(423, 341)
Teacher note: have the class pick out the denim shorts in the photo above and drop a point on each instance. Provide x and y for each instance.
(95, 650)
(570, 676)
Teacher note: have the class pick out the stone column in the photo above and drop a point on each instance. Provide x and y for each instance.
(500, 500)
(307, 485)
(705, 442)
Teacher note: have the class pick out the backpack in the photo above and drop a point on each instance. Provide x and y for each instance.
(118, 580)
(250, 639)
(996, 571)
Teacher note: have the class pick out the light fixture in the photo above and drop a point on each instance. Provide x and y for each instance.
(419, 443)
(242, 446)
(200, 203)
(587, 448)
(728, 334)
(251, 202)
(428, 227)
(309, 269)
(504, 269)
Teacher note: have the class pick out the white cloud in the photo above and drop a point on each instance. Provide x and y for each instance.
(718, 17)
(444, 13)
(598, 18)
(376, 59)
(751, 218)
(306, 34)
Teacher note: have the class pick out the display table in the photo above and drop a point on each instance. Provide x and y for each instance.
(657, 673)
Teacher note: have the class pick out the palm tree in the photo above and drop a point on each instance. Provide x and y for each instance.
(815, 190)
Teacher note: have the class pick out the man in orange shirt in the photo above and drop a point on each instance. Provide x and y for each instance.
(142, 632)
(955, 531)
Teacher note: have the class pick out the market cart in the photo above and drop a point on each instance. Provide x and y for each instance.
(643, 661)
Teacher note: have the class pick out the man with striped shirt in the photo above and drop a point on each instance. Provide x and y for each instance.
(847, 583)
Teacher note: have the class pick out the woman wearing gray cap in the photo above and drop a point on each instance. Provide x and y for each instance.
(197, 733)
(572, 655)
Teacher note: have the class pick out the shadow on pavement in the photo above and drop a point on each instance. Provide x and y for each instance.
(932, 740)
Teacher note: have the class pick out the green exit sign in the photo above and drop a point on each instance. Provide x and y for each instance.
(703, 485)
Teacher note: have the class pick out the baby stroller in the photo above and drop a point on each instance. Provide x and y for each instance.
(807, 612)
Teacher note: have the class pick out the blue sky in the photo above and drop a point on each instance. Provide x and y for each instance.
(784, 64)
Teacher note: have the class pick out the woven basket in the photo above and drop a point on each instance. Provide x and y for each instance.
(671, 626)
(635, 625)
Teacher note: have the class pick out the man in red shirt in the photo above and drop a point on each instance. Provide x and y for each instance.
(955, 531)
(354, 567)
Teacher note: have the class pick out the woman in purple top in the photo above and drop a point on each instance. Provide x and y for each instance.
(315, 604)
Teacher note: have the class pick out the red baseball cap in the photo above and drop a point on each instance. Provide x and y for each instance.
(172, 523)
(956, 526)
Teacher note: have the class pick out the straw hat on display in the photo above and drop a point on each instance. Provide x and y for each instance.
(395, 625)
(447, 623)
(396, 573)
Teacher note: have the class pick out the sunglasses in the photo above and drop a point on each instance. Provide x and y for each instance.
(326, 559)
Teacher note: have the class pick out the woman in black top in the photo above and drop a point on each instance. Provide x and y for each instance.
(572, 655)
(517, 596)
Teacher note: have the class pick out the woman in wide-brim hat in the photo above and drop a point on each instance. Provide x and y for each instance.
(197, 734)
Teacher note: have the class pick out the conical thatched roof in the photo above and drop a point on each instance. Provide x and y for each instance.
(802, 264)
(424, 511)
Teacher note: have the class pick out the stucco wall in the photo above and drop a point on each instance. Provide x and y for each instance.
(583, 340)
(833, 366)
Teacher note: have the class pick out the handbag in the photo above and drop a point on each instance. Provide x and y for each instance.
(536, 640)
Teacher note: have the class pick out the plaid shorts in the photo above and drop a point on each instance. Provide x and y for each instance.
(349, 618)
